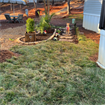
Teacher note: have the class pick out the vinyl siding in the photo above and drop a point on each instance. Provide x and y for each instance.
(93, 6)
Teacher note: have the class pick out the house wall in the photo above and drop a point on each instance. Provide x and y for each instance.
(92, 11)
(101, 53)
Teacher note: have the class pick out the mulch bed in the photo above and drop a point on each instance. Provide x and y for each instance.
(5, 54)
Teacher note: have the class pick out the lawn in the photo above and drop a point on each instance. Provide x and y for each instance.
(53, 73)
(76, 16)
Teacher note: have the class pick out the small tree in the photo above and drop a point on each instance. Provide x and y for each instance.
(47, 9)
(30, 25)
(68, 6)
(44, 23)
(52, 2)
(30, 35)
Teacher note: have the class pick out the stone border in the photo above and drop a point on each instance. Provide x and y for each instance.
(36, 42)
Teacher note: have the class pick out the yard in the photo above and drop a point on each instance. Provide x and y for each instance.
(51, 72)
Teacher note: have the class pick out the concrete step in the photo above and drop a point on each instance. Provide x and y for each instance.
(66, 37)
(66, 34)
(66, 40)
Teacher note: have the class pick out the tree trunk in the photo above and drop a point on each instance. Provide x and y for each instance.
(34, 4)
(11, 6)
(20, 7)
(68, 6)
(44, 4)
(52, 2)
(48, 6)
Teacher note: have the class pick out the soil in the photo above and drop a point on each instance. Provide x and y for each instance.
(94, 58)
(6, 54)
(95, 37)
(90, 34)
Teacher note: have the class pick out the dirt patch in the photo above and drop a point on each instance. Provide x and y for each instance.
(5, 54)
(94, 57)
(90, 34)
(95, 37)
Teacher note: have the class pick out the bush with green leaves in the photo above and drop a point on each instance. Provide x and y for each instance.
(44, 23)
(30, 25)
(58, 31)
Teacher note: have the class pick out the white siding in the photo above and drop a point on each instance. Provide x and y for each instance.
(92, 6)
(91, 22)
(101, 54)
(1, 1)
(92, 11)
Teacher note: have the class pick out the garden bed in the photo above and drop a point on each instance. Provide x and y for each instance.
(39, 38)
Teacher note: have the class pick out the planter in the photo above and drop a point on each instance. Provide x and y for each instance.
(30, 37)
(101, 54)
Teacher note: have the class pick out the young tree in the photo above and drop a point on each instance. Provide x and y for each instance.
(34, 4)
(52, 2)
(48, 6)
(68, 6)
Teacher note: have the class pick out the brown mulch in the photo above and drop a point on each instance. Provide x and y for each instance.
(6, 25)
(5, 54)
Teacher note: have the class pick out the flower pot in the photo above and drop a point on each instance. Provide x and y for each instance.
(30, 37)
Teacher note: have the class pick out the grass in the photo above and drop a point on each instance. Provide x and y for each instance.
(78, 17)
(53, 73)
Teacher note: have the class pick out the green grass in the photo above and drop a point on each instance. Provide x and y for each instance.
(78, 17)
(53, 73)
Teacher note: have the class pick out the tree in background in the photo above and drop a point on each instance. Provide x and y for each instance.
(68, 6)
(47, 9)
(52, 2)
(35, 4)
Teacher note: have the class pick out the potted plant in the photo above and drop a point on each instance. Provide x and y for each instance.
(30, 35)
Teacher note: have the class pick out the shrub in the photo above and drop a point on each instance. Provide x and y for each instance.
(30, 25)
(44, 23)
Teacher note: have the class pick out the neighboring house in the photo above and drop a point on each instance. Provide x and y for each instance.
(92, 11)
